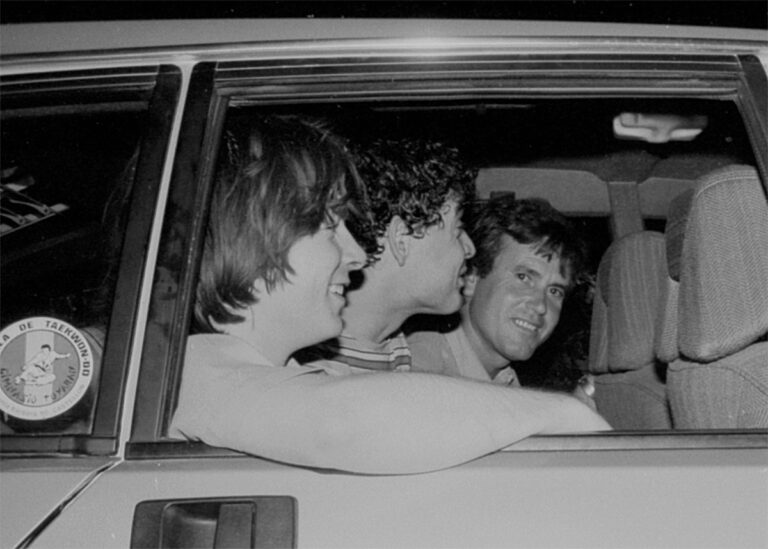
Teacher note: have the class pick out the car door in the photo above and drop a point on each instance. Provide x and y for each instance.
(83, 150)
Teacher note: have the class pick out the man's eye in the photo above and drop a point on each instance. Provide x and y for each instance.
(557, 292)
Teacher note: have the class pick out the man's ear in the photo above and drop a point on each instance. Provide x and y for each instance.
(398, 239)
(470, 282)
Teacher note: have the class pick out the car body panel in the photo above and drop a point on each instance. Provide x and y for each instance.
(116, 35)
(33, 488)
(509, 499)
(130, 42)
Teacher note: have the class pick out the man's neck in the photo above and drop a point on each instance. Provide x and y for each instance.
(376, 309)
(367, 318)
(261, 337)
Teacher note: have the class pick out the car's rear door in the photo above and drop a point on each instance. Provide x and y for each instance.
(83, 147)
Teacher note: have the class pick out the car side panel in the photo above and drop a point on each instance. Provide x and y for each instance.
(32, 488)
(696, 498)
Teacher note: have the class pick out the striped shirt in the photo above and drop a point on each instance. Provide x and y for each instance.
(345, 355)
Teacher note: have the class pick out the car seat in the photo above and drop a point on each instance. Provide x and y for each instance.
(720, 379)
(666, 328)
(630, 387)
(665, 336)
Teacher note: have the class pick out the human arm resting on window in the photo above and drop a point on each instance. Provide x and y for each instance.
(379, 423)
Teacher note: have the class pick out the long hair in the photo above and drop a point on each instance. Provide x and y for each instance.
(296, 173)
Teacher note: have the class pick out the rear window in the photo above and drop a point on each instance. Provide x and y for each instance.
(72, 144)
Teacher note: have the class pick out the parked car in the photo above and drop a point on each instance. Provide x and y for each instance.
(653, 138)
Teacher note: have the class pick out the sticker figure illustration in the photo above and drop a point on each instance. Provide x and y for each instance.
(38, 376)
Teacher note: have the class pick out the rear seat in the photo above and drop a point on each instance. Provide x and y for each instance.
(630, 387)
(666, 330)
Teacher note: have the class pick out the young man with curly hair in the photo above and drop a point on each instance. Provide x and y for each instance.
(417, 190)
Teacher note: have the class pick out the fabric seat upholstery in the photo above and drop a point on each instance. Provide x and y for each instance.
(720, 379)
(630, 387)
(665, 336)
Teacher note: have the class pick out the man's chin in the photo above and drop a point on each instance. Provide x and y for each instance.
(333, 328)
(519, 351)
(517, 356)
(451, 306)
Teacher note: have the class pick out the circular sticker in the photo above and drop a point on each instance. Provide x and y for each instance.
(46, 366)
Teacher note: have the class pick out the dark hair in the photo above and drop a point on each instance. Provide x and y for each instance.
(295, 174)
(412, 178)
(528, 221)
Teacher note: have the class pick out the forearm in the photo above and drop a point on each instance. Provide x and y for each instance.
(407, 423)
(431, 422)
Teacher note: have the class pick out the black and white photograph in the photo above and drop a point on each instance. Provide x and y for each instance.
(384, 274)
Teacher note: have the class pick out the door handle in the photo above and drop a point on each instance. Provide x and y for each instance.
(235, 527)
(256, 522)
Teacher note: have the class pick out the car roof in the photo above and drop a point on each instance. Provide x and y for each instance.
(29, 38)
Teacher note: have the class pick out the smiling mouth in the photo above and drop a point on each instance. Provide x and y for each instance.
(525, 325)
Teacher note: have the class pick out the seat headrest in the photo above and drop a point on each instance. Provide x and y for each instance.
(628, 287)
(723, 302)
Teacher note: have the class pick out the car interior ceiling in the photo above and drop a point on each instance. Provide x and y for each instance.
(556, 133)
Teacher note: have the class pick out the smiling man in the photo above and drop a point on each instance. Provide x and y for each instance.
(528, 257)
(417, 190)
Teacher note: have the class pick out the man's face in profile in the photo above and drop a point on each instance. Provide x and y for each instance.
(440, 256)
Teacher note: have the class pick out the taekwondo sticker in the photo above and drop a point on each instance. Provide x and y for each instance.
(46, 366)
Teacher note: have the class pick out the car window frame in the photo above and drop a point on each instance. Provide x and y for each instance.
(161, 83)
(214, 85)
(754, 109)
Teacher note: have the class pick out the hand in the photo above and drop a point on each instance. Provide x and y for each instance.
(585, 390)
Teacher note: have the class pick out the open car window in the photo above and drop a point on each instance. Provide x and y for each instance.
(74, 146)
(535, 137)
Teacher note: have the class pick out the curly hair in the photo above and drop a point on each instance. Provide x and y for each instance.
(528, 221)
(412, 178)
(295, 174)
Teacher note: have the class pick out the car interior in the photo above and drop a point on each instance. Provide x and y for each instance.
(672, 320)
